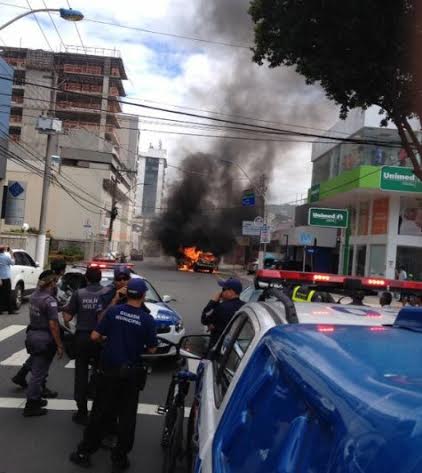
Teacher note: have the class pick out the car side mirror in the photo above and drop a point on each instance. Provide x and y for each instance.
(167, 299)
(37, 264)
(194, 346)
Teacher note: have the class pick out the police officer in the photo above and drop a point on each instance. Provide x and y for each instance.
(83, 304)
(42, 341)
(221, 308)
(127, 331)
(115, 292)
(59, 268)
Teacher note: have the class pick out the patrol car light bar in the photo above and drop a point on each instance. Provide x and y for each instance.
(336, 280)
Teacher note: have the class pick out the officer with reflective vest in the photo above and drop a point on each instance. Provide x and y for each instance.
(303, 294)
(83, 305)
(42, 340)
(127, 332)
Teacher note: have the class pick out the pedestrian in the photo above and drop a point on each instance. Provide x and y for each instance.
(42, 341)
(385, 299)
(221, 308)
(402, 274)
(6, 262)
(127, 332)
(83, 305)
(59, 268)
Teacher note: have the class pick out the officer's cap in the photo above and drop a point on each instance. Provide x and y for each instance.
(231, 283)
(47, 277)
(121, 270)
(136, 288)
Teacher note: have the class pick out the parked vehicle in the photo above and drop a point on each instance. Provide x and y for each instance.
(136, 255)
(169, 323)
(25, 274)
(277, 395)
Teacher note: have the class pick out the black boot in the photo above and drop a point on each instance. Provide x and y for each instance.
(20, 378)
(34, 408)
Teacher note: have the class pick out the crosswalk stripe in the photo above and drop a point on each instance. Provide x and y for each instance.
(10, 330)
(70, 405)
(17, 359)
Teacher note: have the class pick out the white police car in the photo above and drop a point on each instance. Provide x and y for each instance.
(219, 375)
(169, 323)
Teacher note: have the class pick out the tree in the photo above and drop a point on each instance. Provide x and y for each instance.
(362, 52)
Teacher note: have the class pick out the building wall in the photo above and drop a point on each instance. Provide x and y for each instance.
(5, 100)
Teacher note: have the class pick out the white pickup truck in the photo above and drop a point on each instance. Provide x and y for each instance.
(25, 274)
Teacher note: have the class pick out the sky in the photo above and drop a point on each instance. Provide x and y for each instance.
(172, 72)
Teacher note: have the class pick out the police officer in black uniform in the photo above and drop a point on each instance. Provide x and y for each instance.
(221, 308)
(42, 341)
(83, 304)
(115, 292)
(128, 332)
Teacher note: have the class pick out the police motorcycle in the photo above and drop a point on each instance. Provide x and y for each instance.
(298, 386)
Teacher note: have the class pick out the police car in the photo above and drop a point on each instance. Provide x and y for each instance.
(169, 323)
(285, 377)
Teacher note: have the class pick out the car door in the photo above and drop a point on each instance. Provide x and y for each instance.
(19, 269)
(33, 272)
(220, 376)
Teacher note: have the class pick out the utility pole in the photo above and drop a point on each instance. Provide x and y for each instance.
(50, 126)
(261, 190)
(113, 212)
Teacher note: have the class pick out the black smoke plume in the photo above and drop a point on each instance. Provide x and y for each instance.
(204, 206)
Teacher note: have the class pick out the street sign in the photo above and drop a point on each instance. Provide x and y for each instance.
(250, 229)
(394, 178)
(15, 203)
(306, 239)
(334, 218)
(265, 234)
(248, 198)
(314, 193)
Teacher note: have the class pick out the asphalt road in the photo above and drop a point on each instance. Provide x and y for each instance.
(42, 445)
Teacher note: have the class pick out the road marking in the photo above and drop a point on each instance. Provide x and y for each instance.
(70, 405)
(10, 330)
(17, 359)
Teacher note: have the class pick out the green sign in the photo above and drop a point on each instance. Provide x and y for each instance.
(399, 179)
(314, 193)
(334, 218)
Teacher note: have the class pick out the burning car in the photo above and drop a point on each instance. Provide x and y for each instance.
(193, 259)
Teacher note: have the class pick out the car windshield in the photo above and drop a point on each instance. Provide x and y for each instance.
(151, 296)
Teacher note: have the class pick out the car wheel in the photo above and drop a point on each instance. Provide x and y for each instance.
(17, 296)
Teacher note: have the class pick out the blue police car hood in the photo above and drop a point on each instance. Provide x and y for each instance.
(163, 314)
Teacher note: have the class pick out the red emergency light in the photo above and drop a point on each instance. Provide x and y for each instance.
(336, 280)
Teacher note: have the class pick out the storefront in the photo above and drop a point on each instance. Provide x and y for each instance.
(385, 205)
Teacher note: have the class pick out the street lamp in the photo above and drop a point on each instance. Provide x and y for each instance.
(65, 13)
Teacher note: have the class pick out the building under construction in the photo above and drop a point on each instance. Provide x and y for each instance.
(99, 145)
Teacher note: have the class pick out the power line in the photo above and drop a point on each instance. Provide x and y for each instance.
(148, 31)
(39, 26)
(77, 29)
(54, 24)
(250, 127)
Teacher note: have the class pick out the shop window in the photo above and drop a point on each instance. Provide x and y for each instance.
(360, 260)
(377, 260)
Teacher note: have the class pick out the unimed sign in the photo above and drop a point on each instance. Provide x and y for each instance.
(334, 218)
(394, 178)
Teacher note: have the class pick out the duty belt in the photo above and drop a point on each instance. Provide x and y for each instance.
(37, 329)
